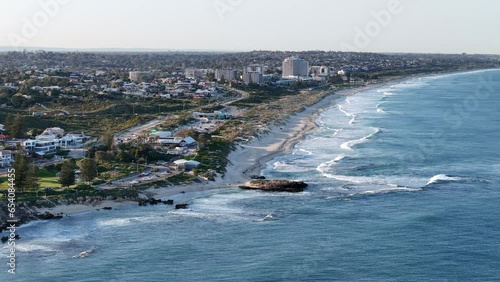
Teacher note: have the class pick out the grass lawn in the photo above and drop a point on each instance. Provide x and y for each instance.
(4, 185)
(47, 178)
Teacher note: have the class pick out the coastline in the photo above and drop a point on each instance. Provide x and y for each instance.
(248, 159)
(68, 210)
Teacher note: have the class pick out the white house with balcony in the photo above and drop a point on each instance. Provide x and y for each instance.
(49, 141)
(6, 158)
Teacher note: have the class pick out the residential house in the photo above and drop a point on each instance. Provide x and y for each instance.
(48, 142)
(186, 164)
(176, 141)
(6, 158)
(3, 138)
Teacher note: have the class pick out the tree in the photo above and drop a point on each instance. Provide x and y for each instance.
(26, 172)
(108, 138)
(102, 156)
(32, 183)
(21, 166)
(15, 126)
(67, 174)
(88, 168)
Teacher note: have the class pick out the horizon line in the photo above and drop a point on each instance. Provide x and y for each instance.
(163, 50)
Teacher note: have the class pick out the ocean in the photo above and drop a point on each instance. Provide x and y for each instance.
(404, 186)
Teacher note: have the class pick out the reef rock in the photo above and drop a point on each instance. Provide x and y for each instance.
(276, 186)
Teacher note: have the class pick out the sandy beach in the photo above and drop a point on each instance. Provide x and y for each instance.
(251, 158)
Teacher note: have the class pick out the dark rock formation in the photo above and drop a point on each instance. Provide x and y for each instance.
(169, 202)
(258, 177)
(107, 208)
(181, 206)
(276, 186)
(48, 215)
(154, 201)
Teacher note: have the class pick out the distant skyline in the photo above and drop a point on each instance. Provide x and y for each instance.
(409, 26)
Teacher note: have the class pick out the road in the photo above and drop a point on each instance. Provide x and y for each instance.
(243, 94)
(133, 132)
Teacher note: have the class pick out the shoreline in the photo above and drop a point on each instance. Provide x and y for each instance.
(69, 210)
(250, 158)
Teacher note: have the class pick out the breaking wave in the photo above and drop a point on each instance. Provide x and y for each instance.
(349, 145)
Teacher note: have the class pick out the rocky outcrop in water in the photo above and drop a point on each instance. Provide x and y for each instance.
(181, 206)
(276, 186)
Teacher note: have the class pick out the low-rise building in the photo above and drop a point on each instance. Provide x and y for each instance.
(176, 141)
(3, 138)
(6, 158)
(195, 73)
(214, 115)
(186, 164)
(139, 76)
(48, 142)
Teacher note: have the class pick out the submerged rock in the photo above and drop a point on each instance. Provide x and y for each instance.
(181, 206)
(276, 186)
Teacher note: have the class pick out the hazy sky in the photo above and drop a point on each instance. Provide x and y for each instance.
(442, 26)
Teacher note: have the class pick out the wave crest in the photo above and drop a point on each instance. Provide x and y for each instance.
(440, 178)
(350, 144)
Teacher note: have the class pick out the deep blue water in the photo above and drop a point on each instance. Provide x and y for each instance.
(404, 187)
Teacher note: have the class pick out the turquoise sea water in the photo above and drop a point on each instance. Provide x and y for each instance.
(404, 187)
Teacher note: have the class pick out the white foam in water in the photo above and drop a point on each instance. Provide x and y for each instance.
(339, 158)
(390, 190)
(117, 222)
(286, 167)
(380, 109)
(28, 248)
(309, 153)
(442, 177)
(219, 207)
(350, 144)
(353, 119)
(345, 178)
(343, 111)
